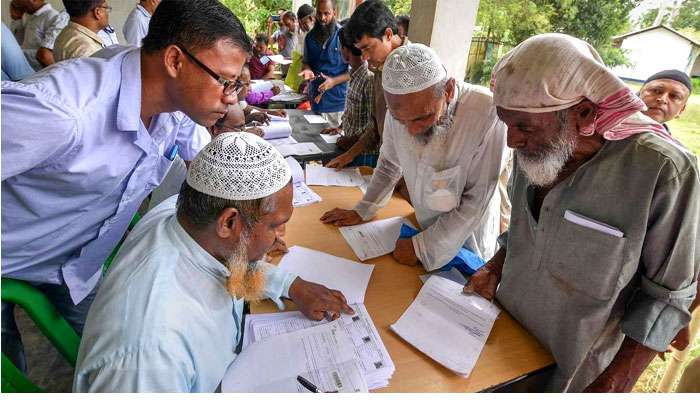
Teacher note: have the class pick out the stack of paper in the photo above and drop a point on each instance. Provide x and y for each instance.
(374, 360)
(330, 138)
(338, 273)
(278, 128)
(288, 96)
(448, 326)
(303, 195)
(373, 239)
(298, 149)
(323, 354)
(322, 176)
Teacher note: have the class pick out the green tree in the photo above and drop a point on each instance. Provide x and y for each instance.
(254, 13)
(399, 7)
(688, 16)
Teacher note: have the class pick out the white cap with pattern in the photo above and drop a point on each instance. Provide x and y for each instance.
(239, 166)
(412, 68)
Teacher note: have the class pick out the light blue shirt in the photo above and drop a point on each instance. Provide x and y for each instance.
(136, 25)
(76, 164)
(162, 320)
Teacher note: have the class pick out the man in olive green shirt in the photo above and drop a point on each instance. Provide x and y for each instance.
(79, 38)
(601, 258)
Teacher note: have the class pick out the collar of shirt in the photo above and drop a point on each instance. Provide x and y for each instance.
(128, 116)
(358, 71)
(44, 9)
(85, 31)
(143, 11)
(192, 250)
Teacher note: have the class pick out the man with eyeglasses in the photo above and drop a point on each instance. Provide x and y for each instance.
(85, 142)
(80, 37)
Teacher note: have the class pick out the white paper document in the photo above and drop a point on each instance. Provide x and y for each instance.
(314, 119)
(350, 277)
(373, 358)
(590, 223)
(330, 138)
(279, 59)
(373, 239)
(323, 354)
(288, 96)
(322, 176)
(446, 325)
(298, 149)
(277, 129)
(281, 141)
(303, 195)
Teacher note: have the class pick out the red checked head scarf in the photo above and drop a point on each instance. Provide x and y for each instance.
(552, 72)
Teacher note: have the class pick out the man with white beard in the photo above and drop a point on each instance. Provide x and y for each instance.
(167, 317)
(445, 139)
(601, 257)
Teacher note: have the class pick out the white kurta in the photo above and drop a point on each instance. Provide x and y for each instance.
(460, 166)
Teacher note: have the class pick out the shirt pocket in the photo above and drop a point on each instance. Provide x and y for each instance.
(587, 260)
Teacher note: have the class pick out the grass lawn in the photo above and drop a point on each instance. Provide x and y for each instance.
(687, 130)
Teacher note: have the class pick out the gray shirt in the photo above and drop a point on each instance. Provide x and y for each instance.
(581, 291)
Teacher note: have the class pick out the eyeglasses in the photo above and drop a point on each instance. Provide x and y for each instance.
(108, 8)
(230, 87)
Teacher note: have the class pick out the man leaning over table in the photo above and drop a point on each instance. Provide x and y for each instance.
(601, 258)
(445, 140)
(84, 142)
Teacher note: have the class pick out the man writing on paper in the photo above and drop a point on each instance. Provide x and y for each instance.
(601, 256)
(445, 139)
(168, 316)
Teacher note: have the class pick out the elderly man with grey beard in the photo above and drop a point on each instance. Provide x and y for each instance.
(601, 258)
(167, 317)
(445, 139)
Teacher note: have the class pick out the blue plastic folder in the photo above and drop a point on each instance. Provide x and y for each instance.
(465, 261)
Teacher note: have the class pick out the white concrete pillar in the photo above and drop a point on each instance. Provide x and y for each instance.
(446, 26)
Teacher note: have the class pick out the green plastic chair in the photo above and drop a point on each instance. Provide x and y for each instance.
(49, 322)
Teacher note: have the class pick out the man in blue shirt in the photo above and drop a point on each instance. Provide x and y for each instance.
(136, 24)
(85, 142)
(322, 59)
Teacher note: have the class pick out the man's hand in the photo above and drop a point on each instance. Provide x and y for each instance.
(255, 131)
(680, 342)
(340, 217)
(341, 161)
(328, 84)
(484, 282)
(317, 301)
(405, 253)
(259, 117)
(307, 74)
(277, 113)
(331, 131)
(625, 368)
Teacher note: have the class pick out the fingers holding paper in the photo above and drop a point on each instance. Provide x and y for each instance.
(317, 301)
(340, 217)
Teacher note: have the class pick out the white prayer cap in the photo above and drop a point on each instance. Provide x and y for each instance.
(412, 68)
(238, 166)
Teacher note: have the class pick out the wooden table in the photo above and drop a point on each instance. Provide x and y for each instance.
(510, 352)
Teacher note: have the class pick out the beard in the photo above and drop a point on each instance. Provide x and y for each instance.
(246, 279)
(440, 129)
(323, 32)
(542, 168)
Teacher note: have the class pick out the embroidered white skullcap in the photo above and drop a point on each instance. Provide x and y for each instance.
(412, 68)
(239, 166)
